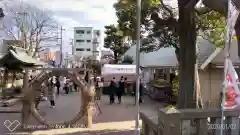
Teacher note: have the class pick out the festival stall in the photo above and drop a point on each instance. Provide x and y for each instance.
(113, 70)
(110, 71)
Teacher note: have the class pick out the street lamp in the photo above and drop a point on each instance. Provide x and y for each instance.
(138, 65)
(95, 44)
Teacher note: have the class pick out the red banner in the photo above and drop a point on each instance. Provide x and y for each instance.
(232, 93)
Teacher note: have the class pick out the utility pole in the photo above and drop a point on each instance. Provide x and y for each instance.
(1, 18)
(72, 44)
(73, 56)
(61, 45)
(22, 28)
(61, 53)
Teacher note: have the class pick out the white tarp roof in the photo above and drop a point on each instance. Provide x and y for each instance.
(118, 69)
(164, 57)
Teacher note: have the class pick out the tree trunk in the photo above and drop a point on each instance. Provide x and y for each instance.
(197, 90)
(237, 30)
(187, 36)
(26, 106)
(115, 57)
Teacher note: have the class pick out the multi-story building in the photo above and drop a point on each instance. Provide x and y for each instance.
(85, 43)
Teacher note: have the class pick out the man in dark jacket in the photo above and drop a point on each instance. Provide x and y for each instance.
(112, 90)
(120, 90)
(58, 84)
(140, 92)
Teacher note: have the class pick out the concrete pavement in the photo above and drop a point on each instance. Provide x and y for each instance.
(118, 116)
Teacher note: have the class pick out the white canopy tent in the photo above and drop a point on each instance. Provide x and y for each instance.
(110, 71)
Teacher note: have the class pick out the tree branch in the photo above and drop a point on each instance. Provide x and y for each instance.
(9, 32)
(217, 5)
(191, 4)
(202, 10)
(167, 8)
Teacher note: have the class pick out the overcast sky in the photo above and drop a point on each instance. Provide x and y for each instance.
(72, 13)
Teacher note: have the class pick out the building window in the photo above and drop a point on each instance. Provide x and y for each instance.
(88, 41)
(79, 49)
(88, 32)
(79, 41)
(88, 49)
(80, 31)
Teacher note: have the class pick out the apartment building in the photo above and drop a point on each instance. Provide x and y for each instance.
(86, 43)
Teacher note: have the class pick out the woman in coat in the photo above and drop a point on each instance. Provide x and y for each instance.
(112, 90)
(58, 85)
(51, 93)
(120, 90)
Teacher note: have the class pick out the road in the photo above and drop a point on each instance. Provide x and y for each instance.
(67, 106)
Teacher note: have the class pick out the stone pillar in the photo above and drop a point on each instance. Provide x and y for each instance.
(167, 72)
(26, 102)
(5, 82)
(151, 74)
(89, 102)
(89, 115)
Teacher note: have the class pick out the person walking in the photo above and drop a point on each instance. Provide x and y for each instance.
(112, 90)
(125, 86)
(51, 93)
(75, 87)
(58, 84)
(140, 92)
(97, 89)
(120, 90)
(65, 85)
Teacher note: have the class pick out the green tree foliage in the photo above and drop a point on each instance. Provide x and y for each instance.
(114, 40)
(126, 13)
(160, 22)
(213, 26)
(166, 28)
(157, 20)
(95, 66)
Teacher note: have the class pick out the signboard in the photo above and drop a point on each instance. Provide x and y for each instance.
(118, 69)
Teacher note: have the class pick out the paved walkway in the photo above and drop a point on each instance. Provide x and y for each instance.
(113, 117)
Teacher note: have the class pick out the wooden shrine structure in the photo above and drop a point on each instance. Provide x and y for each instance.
(17, 60)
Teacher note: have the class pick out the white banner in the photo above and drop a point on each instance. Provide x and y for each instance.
(232, 14)
(231, 91)
(118, 69)
(231, 22)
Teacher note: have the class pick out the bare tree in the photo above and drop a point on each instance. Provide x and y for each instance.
(31, 25)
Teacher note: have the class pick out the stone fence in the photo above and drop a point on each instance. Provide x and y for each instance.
(191, 122)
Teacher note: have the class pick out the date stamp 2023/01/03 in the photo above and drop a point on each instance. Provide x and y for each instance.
(222, 126)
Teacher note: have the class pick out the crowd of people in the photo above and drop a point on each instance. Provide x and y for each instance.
(56, 84)
(118, 89)
(52, 87)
